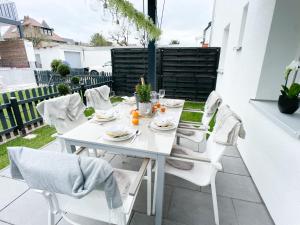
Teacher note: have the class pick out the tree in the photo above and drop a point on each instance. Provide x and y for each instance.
(98, 39)
(174, 42)
(121, 35)
(34, 35)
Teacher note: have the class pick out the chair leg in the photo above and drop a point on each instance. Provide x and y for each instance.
(51, 218)
(154, 190)
(178, 140)
(149, 180)
(215, 201)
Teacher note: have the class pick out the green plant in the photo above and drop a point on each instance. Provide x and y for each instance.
(75, 80)
(89, 111)
(54, 64)
(63, 89)
(143, 91)
(126, 9)
(294, 90)
(63, 70)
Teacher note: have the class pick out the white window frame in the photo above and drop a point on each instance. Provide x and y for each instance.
(224, 48)
(242, 28)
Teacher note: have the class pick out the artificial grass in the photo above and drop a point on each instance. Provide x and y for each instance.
(43, 137)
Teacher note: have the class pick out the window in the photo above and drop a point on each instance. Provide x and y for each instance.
(224, 48)
(242, 28)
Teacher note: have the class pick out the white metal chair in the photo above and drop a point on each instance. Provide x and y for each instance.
(94, 205)
(206, 166)
(199, 129)
(98, 98)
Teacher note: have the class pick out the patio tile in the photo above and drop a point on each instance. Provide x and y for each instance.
(249, 213)
(178, 182)
(232, 151)
(194, 208)
(139, 218)
(235, 186)
(52, 146)
(5, 172)
(81, 220)
(10, 190)
(141, 200)
(234, 165)
(3, 223)
(29, 209)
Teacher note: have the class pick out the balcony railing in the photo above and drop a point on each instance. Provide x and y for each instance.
(8, 10)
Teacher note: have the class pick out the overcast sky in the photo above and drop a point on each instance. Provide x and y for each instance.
(183, 20)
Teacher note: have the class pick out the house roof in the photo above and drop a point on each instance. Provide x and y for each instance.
(44, 24)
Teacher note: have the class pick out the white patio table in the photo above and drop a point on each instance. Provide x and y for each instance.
(150, 143)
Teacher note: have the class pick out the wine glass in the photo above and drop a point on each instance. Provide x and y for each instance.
(153, 95)
(161, 93)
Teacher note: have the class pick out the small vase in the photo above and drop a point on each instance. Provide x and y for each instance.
(288, 105)
(145, 108)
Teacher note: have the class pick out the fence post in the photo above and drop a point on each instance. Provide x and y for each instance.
(82, 89)
(36, 78)
(18, 117)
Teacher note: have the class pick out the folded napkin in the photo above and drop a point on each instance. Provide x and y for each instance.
(173, 102)
(130, 100)
(180, 164)
(163, 122)
(117, 131)
(212, 103)
(102, 114)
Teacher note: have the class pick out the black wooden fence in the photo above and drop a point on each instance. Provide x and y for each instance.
(46, 77)
(188, 73)
(18, 109)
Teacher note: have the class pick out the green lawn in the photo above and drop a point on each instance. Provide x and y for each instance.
(43, 137)
(44, 133)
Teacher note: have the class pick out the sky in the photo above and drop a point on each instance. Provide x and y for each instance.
(183, 20)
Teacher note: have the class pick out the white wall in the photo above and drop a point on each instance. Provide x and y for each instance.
(271, 155)
(90, 56)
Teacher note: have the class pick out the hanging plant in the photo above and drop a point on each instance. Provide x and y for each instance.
(126, 9)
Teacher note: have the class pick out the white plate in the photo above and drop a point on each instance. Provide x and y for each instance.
(104, 119)
(154, 126)
(173, 106)
(123, 138)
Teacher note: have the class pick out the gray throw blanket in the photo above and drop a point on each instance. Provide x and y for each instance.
(98, 98)
(212, 103)
(64, 173)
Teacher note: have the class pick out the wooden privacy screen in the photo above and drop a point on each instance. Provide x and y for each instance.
(187, 73)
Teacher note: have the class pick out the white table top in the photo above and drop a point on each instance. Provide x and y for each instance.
(158, 142)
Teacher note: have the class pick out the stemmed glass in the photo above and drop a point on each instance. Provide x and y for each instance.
(153, 95)
(161, 93)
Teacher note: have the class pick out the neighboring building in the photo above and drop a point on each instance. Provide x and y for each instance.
(40, 34)
(258, 39)
(76, 56)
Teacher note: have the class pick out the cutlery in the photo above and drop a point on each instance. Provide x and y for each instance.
(137, 133)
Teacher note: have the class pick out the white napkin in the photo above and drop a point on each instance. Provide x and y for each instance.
(130, 100)
(102, 114)
(163, 121)
(173, 102)
(117, 131)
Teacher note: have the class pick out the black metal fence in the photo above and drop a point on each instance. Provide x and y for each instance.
(18, 112)
(188, 73)
(46, 77)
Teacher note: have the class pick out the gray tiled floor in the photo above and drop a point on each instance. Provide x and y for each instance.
(184, 203)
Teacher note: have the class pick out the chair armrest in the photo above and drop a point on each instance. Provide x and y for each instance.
(188, 158)
(135, 185)
(193, 110)
(193, 126)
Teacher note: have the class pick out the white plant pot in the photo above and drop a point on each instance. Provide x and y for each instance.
(145, 108)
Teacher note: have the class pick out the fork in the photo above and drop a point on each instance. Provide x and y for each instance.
(136, 134)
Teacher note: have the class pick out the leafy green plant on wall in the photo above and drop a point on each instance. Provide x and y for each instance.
(143, 91)
(126, 9)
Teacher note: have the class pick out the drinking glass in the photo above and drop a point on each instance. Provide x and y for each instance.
(161, 93)
(153, 95)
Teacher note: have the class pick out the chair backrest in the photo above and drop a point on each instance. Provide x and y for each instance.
(98, 98)
(213, 102)
(64, 113)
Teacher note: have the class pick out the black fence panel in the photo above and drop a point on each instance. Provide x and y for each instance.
(188, 73)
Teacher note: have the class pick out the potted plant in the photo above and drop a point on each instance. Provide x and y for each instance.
(63, 70)
(143, 92)
(75, 81)
(288, 101)
(54, 64)
(63, 89)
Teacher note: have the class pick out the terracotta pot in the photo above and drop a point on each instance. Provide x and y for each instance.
(288, 105)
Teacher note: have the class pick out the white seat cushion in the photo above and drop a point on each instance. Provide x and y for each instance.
(198, 135)
(94, 205)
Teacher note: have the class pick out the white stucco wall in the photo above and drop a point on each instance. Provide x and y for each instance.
(90, 56)
(271, 155)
